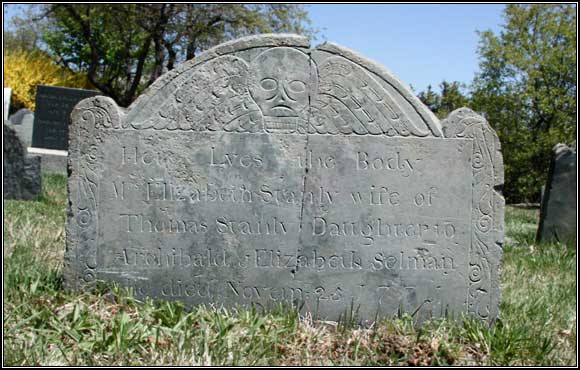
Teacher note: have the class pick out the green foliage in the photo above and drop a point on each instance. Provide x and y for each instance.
(527, 90)
(123, 48)
(44, 325)
(449, 99)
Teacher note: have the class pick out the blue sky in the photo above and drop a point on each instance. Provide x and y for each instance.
(421, 44)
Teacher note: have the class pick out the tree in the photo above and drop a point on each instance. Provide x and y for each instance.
(445, 102)
(123, 48)
(527, 89)
(451, 98)
(430, 98)
(22, 33)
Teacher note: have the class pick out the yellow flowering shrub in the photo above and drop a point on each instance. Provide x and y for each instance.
(24, 70)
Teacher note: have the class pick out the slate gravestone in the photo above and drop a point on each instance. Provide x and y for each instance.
(51, 120)
(266, 172)
(21, 172)
(558, 208)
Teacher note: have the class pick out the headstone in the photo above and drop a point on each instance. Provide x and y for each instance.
(25, 129)
(17, 117)
(267, 172)
(51, 120)
(21, 172)
(7, 96)
(22, 123)
(558, 220)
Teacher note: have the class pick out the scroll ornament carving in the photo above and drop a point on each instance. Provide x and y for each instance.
(94, 115)
(487, 206)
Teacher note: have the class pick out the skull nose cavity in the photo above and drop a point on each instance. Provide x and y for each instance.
(283, 95)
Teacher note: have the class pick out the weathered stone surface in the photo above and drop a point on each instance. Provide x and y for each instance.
(558, 209)
(22, 178)
(52, 113)
(266, 171)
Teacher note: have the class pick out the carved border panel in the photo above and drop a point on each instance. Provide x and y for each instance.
(488, 210)
(92, 118)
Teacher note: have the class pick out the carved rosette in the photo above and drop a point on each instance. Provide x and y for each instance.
(487, 210)
(90, 120)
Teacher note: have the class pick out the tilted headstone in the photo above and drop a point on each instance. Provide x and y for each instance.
(265, 171)
(16, 118)
(22, 179)
(25, 129)
(22, 122)
(7, 96)
(52, 113)
(558, 208)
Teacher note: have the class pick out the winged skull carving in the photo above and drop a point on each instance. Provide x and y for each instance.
(282, 90)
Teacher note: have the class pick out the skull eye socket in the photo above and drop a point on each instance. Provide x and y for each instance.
(297, 86)
(269, 84)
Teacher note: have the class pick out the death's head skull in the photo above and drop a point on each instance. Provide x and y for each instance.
(282, 80)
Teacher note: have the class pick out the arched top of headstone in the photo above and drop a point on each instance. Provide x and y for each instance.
(279, 84)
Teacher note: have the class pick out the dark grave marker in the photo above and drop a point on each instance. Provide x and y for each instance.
(558, 214)
(52, 113)
(21, 172)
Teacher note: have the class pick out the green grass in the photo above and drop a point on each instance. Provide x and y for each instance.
(45, 325)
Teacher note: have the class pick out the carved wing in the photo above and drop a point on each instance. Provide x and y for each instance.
(214, 98)
(351, 101)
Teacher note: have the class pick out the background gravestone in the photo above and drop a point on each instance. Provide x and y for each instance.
(51, 120)
(21, 172)
(558, 215)
(265, 171)
(22, 122)
(17, 117)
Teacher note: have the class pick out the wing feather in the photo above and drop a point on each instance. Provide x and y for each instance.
(350, 96)
(214, 97)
